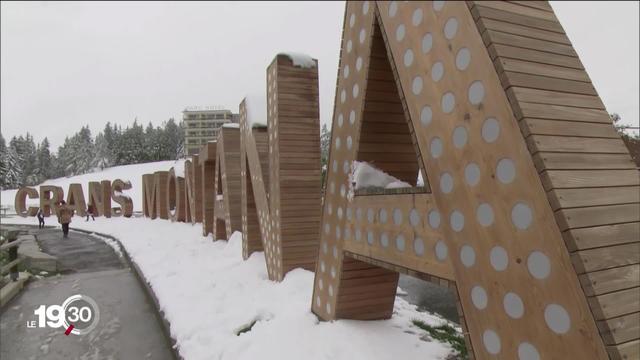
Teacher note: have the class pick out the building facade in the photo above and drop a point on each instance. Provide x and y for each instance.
(202, 125)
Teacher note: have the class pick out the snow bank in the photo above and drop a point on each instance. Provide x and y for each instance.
(300, 59)
(365, 175)
(208, 294)
(133, 173)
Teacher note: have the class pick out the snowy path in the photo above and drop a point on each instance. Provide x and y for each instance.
(209, 294)
(128, 327)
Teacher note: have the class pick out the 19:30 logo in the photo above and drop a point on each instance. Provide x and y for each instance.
(78, 314)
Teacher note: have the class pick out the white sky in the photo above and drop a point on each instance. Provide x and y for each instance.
(64, 65)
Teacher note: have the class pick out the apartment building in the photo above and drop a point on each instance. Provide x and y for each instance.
(202, 125)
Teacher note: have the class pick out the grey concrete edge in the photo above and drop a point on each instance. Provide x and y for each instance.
(165, 324)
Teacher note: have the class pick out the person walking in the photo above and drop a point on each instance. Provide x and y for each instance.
(40, 215)
(64, 217)
(90, 212)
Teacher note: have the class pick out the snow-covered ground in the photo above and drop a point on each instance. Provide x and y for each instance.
(208, 294)
(132, 173)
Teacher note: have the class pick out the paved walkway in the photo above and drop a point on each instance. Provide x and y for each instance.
(128, 327)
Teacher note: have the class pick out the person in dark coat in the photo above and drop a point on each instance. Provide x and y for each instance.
(90, 212)
(64, 217)
(40, 215)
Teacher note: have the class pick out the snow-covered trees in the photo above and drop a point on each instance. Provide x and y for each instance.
(24, 163)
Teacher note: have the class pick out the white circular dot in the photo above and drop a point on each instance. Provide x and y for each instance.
(320, 284)
(437, 71)
(427, 43)
(343, 190)
(322, 266)
(327, 228)
(358, 234)
(362, 36)
(416, 86)
(408, 58)
(557, 318)
(506, 171)
(491, 342)
(328, 308)
(498, 258)
(476, 92)
(370, 215)
(418, 246)
(467, 256)
(337, 143)
(352, 117)
(393, 8)
(446, 183)
(416, 18)
(457, 221)
(358, 63)
(521, 216)
(539, 265)
(479, 297)
(325, 247)
(349, 46)
(340, 120)
(441, 250)
(335, 251)
(526, 351)
(359, 214)
(330, 290)
(426, 115)
(384, 240)
(352, 20)
(490, 130)
(434, 219)
(436, 147)
(355, 91)
(383, 216)
(484, 214)
(333, 272)
(400, 31)
(345, 167)
(318, 302)
(400, 242)
(513, 305)
(349, 142)
(463, 59)
(414, 217)
(438, 5)
(448, 102)
(347, 233)
(472, 174)
(459, 137)
(451, 28)
(343, 96)
(370, 237)
(397, 216)
(345, 72)
(365, 8)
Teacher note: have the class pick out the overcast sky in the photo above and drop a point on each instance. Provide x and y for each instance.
(64, 65)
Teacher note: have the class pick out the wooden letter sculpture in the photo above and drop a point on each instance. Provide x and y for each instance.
(50, 196)
(254, 140)
(532, 214)
(76, 200)
(20, 202)
(193, 187)
(207, 158)
(176, 205)
(100, 197)
(227, 183)
(289, 216)
(125, 202)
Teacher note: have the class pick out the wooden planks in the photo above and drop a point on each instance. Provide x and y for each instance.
(591, 182)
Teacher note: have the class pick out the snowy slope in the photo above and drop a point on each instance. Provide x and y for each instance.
(132, 173)
(209, 293)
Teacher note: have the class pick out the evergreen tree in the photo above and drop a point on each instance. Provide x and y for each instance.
(43, 161)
